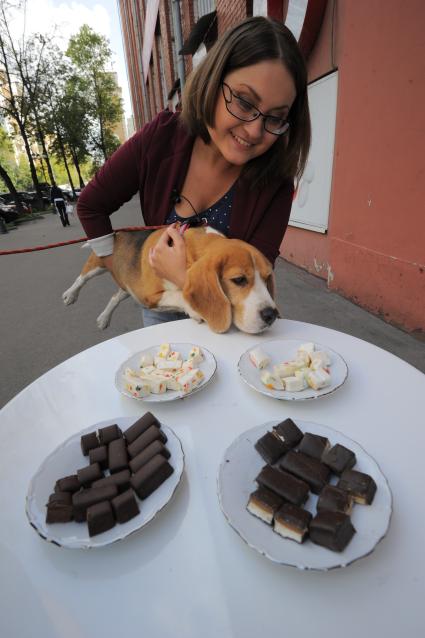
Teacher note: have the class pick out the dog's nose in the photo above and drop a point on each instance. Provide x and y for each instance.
(268, 315)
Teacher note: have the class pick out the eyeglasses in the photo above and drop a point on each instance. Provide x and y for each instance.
(247, 112)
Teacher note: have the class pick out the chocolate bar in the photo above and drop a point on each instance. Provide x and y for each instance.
(100, 518)
(120, 479)
(117, 456)
(109, 433)
(84, 499)
(99, 455)
(271, 447)
(339, 458)
(361, 486)
(125, 506)
(333, 530)
(292, 522)
(68, 484)
(151, 476)
(140, 426)
(290, 488)
(59, 508)
(149, 452)
(86, 475)
(152, 434)
(88, 442)
(334, 499)
(289, 433)
(263, 503)
(307, 468)
(314, 445)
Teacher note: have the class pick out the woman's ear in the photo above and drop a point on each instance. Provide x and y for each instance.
(203, 292)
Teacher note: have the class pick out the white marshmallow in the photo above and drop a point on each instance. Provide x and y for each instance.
(295, 384)
(318, 379)
(271, 381)
(258, 358)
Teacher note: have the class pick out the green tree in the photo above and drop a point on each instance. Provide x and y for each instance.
(90, 53)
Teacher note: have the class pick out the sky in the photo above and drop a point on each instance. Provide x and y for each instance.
(65, 20)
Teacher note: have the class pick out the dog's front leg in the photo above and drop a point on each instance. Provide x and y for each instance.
(71, 295)
(104, 318)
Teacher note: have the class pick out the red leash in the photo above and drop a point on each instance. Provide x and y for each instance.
(73, 241)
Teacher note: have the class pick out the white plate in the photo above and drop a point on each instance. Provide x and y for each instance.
(285, 350)
(208, 367)
(236, 481)
(64, 461)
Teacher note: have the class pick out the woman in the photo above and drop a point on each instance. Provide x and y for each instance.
(230, 158)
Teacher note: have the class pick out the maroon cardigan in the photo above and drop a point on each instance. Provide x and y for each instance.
(154, 162)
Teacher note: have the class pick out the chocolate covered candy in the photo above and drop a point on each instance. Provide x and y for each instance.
(314, 445)
(117, 456)
(147, 454)
(153, 433)
(334, 499)
(151, 476)
(68, 484)
(120, 479)
(88, 442)
(59, 508)
(339, 458)
(263, 503)
(99, 455)
(140, 426)
(304, 467)
(287, 486)
(289, 433)
(100, 518)
(361, 486)
(271, 447)
(86, 475)
(84, 499)
(333, 530)
(292, 522)
(125, 506)
(109, 433)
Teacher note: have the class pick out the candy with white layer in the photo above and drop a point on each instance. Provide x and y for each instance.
(187, 365)
(189, 380)
(258, 358)
(320, 359)
(271, 381)
(283, 370)
(308, 347)
(164, 350)
(157, 386)
(295, 384)
(318, 379)
(138, 387)
(303, 358)
(167, 364)
(195, 355)
(174, 356)
(146, 360)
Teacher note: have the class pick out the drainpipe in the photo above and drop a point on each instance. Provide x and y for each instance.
(179, 41)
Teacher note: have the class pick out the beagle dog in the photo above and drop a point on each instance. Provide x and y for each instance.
(227, 280)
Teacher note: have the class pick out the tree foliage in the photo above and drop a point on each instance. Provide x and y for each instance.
(64, 107)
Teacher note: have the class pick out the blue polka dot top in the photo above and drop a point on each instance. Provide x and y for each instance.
(217, 216)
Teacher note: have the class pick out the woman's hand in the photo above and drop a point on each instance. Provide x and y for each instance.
(168, 257)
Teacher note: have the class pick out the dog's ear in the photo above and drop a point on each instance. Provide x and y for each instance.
(271, 287)
(202, 290)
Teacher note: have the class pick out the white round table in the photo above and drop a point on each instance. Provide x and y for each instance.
(188, 574)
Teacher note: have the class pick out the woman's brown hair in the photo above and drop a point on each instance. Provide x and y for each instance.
(251, 41)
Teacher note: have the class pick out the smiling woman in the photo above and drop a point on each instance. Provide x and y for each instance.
(228, 160)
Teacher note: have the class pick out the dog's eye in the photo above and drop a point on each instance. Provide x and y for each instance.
(240, 281)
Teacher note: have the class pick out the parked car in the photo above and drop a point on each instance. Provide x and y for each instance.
(8, 211)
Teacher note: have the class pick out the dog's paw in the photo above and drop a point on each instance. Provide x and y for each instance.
(103, 321)
(69, 297)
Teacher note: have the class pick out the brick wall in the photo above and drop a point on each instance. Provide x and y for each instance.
(188, 20)
(165, 23)
(230, 13)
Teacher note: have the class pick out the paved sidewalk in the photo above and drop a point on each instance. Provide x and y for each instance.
(39, 332)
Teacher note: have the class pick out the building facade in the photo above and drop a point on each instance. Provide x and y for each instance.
(357, 218)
